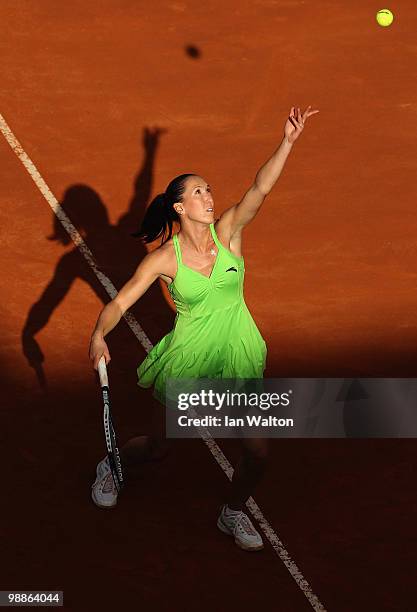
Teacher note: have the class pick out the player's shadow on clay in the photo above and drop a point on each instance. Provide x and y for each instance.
(117, 254)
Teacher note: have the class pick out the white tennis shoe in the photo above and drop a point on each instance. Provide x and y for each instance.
(103, 491)
(238, 525)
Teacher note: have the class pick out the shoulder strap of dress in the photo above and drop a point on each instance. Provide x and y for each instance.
(177, 248)
(213, 233)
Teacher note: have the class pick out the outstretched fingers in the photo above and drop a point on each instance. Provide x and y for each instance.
(308, 113)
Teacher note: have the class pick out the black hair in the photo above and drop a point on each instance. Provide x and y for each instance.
(160, 214)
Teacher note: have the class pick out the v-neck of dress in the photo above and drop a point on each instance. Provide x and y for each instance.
(196, 271)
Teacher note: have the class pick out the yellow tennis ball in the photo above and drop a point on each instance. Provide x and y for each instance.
(384, 17)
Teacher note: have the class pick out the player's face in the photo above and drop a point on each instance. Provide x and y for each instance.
(198, 200)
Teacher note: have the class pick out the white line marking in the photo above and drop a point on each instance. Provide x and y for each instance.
(265, 526)
(147, 345)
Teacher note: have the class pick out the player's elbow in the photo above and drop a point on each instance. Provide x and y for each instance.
(124, 300)
(135, 288)
(261, 190)
(118, 306)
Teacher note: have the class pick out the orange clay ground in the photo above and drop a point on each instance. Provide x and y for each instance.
(109, 105)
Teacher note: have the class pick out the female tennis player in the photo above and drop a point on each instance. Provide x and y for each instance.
(214, 334)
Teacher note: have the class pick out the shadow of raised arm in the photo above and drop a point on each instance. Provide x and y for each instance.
(143, 183)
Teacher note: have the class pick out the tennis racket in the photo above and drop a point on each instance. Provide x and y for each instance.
(111, 442)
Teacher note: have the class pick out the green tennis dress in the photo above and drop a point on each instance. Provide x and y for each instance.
(214, 334)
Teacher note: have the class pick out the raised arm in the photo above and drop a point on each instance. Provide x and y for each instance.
(236, 217)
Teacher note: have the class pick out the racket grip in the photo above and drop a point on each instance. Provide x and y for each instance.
(102, 372)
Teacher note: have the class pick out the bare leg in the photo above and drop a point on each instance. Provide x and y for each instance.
(248, 472)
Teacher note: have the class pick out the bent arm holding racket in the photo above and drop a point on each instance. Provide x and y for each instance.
(149, 269)
(146, 273)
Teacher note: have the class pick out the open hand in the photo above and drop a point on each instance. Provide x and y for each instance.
(295, 123)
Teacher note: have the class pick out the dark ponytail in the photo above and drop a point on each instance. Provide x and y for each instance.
(160, 214)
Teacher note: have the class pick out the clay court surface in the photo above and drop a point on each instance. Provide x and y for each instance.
(109, 106)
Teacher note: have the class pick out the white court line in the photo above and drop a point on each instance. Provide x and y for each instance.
(147, 345)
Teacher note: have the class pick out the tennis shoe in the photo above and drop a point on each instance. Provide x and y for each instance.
(103, 491)
(238, 525)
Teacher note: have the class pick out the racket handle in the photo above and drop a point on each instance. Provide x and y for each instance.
(102, 372)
